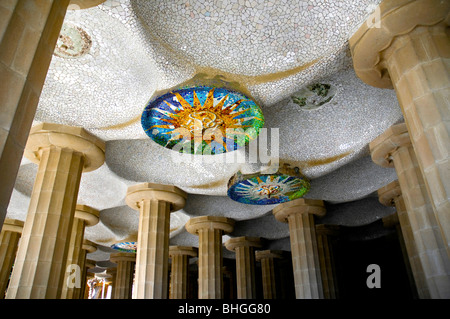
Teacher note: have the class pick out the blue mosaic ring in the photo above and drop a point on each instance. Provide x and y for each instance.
(127, 246)
(202, 120)
(267, 189)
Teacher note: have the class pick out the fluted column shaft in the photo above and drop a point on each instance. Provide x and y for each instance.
(9, 240)
(410, 51)
(325, 258)
(418, 66)
(299, 214)
(244, 247)
(154, 203)
(84, 216)
(48, 226)
(268, 268)
(391, 195)
(123, 283)
(411, 249)
(28, 34)
(62, 152)
(210, 281)
(394, 148)
(428, 238)
(153, 250)
(210, 230)
(180, 269)
(305, 256)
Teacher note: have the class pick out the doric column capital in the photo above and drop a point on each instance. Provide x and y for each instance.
(244, 241)
(391, 19)
(262, 254)
(299, 206)
(382, 147)
(183, 250)
(168, 193)
(388, 193)
(116, 257)
(209, 222)
(90, 215)
(89, 246)
(84, 4)
(46, 135)
(13, 225)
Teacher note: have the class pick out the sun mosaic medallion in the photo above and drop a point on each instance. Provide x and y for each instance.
(202, 120)
(127, 246)
(267, 189)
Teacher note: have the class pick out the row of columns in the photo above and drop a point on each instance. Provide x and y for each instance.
(409, 52)
(49, 244)
(52, 236)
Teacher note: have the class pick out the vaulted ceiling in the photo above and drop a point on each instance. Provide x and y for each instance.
(125, 51)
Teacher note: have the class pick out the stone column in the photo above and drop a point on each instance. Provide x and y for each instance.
(29, 30)
(391, 195)
(84, 216)
(180, 270)
(408, 48)
(299, 214)
(62, 152)
(154, 202)
(268, 269)
(9, 240)
(125, 271)
(393, 148)
(210, 230)
(244, 247)
(28, 33)
(392, 221)
(327, 270)
(88, 264)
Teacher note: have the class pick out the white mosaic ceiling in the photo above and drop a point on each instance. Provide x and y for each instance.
(274, 49)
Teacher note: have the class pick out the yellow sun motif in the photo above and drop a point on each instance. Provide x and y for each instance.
(175, 117)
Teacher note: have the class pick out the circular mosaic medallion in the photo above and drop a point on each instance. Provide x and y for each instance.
(202, 120)
(128, 246)
(72, 42)
(267, 189)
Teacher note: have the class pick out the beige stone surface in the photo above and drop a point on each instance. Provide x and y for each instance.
(41, 258)
(84, 4)
(327, 268)
(168, 193)
(179, 274)
(48, 238)
(430, 245)
(123, 283)
(84, 216)
(299, 214)
(63, 136)
(410, 51)
(268, 271)
(154, 202)
(391, 195)
(244, 247)
(9, 240)
(28, 34)
(210, 263)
